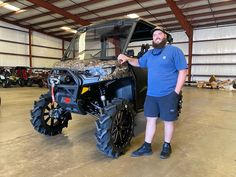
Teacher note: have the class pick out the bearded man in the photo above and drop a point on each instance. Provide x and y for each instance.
(167, 70)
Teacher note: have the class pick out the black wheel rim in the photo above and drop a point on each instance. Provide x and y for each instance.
(122, 128)
(47, 119)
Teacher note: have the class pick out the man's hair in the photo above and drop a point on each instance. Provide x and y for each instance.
(169, 38)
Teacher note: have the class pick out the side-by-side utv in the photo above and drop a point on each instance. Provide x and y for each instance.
(89, 80)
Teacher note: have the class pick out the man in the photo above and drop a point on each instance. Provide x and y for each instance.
(167, 70)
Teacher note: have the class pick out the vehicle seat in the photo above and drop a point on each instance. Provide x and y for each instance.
(144, 49)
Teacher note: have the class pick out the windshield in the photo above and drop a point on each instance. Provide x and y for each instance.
(98, 42)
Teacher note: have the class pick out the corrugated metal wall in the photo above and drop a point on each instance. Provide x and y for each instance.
(14, 48)
(214, 50)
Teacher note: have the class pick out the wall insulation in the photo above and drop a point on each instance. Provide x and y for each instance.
(14, 47)
(214, 50)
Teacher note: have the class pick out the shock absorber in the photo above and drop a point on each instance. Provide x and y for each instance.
(102, 95)
(53, 82)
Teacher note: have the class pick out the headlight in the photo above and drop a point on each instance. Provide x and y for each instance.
(99, 71)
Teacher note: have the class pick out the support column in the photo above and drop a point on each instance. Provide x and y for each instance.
(30, 48)
(63, 46)
(190, 55)
(187, 27)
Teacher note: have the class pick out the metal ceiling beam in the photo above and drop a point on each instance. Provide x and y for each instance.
(79, 5)
(67, 35)
(58, 31)
(230, 22)
(116, 6)
(207, 20)
(26, 8)
(57, 26)
(168, 26)
(9, 1)
(60, 11)
(180, 17)
(226, 17)
(109, 16)
(190, 9)
(189, 17)
(213, 5)
(218, 12)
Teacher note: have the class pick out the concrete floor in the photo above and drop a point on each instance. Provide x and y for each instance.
(204, 144)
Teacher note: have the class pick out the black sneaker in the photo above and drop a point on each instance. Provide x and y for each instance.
(144, 150)
(166, 151)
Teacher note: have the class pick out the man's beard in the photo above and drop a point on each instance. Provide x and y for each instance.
(160, 45)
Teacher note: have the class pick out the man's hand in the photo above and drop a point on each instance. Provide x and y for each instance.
(181, 79)
(122, 58)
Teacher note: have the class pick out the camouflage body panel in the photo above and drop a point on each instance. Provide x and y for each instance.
(106, 69)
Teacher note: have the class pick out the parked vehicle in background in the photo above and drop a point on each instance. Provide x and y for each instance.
(38, 77)
(5, 77)
(23, 76)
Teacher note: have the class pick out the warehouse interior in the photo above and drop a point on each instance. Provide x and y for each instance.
(34, 35)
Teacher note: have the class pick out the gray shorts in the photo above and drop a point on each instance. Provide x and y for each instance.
(165, 107)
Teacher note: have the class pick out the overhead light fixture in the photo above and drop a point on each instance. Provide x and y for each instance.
(68, 29)
(11, 7)
(132, 15)
(20, 11)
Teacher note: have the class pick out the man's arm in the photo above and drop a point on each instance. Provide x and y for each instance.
(123, 58)
(181, 79)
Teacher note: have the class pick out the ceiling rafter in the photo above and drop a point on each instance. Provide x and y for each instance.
(26, 8)
(230, 17)
(212, 12)
(65, 8)
(218, 12)
(113, 15)
(60, 11)
(121, 5)
(181, 18)
(197, 12)
(227, 17)
(190, 9)
(57, 26)
(117, 6)
(195, 22)
(230, 22)
(191, 17)
(9, 1)
(213, 5)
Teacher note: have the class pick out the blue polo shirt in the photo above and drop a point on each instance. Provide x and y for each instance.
(163, 66)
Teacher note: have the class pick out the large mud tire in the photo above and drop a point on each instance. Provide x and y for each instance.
(41, 119)
(114, 128)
